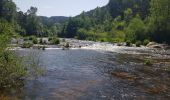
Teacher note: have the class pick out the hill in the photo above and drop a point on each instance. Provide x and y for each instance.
(135, 21)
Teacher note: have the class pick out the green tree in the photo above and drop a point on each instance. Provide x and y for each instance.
(33, 24)
(8, 10)
(136, 30)
(160, 20)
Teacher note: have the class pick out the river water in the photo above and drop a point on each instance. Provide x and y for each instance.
(84, 74)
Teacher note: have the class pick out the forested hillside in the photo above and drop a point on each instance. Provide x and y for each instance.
(28, 23)
(136, 21)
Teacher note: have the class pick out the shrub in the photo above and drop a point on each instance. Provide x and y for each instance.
(103, 39)
(128, 43)
(90, 39)
(56, 40)
(50, 38)
(11, 66)
(26, 38)
(145, 42)
(148, 62)
(67, 45)
(41, 41)
(32, 37)
(35, 41)
(27, 45)
(12, 69)
(138, 43)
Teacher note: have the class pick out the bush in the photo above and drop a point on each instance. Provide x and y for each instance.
(11, 68)
(35, 41)
(128, 43)
(32, 37)
(56, 40)
(26, 38)
(41, 41)
(148, 62)
(103, 39)
(50, 39)
(138, 43)
(27, 45)
(67, 45)
(145, 42)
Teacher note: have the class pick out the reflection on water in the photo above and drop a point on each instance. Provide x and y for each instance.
(86, 75)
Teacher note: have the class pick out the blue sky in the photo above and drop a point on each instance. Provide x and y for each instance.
(60, 7)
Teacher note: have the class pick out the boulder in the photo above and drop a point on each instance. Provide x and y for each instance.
(157, 45)
(153, 45)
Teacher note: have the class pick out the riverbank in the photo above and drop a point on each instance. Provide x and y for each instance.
(160, 49)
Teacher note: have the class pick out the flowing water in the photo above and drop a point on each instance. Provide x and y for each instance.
(83, 74)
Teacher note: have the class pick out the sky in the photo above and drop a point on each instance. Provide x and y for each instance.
(60, 7)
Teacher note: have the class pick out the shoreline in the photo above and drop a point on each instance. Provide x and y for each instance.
(100, 46)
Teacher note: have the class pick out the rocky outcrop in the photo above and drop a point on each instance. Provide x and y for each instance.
(158, 46)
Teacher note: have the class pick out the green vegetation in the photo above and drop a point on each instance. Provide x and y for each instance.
(145, 42)
(148, 62)
(27, 45)
(55, 40)
(67, 45)
(119, 21)
(138, 43)
(35, 41)
(128, 43)
(41, 41)
(122, 20)
(12, 67)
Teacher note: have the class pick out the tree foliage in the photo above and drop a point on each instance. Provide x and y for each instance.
(159, 25)
(123, 20)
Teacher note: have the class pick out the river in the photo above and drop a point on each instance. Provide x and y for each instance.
(94, 74)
